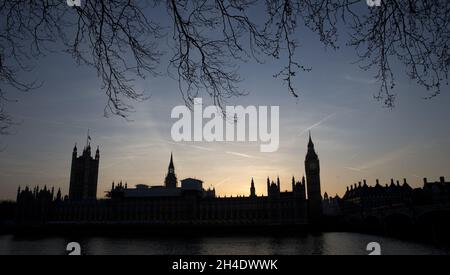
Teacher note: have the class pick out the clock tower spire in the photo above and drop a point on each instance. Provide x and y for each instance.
(312, 169)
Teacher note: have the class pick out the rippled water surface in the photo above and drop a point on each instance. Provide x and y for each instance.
(327, 243)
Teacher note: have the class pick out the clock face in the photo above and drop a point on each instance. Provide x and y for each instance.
(313, 166)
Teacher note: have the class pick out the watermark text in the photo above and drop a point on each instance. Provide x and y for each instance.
(236, 123)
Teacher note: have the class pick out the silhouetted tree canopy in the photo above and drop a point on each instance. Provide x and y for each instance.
(210, 38)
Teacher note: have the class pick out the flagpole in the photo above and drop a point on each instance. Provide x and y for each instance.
(87, 139)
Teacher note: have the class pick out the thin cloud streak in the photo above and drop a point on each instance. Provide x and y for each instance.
(385, 158)
(354, 169)
(222, 182)
(240, 155)
(318, 123)
(192, 146)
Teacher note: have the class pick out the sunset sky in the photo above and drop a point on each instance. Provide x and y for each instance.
(355, 136)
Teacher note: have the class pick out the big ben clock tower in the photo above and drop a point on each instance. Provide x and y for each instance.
(312, 169)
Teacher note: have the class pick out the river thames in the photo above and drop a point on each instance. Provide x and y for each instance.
(323, 244)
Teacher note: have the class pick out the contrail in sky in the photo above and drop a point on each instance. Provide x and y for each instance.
(240, 155)
(318, 123)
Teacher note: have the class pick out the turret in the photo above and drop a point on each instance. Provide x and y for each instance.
(87, 150)
(18, 193)
(84, 174)
(252, 189)
(58, 195)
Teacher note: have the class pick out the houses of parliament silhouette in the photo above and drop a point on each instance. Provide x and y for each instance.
(395, 207)
(187, 203)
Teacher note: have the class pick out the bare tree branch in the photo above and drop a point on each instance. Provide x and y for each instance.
(211, 38)
(105, 32)
(415, 34)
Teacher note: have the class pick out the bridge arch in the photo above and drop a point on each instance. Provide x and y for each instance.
(353, 222)
(434, 226)
(372, 224)
(399, 225)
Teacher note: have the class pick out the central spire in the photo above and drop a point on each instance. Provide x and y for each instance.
(171, 166)
(171, 179)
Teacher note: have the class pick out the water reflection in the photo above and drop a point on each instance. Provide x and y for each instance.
(323, 244)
